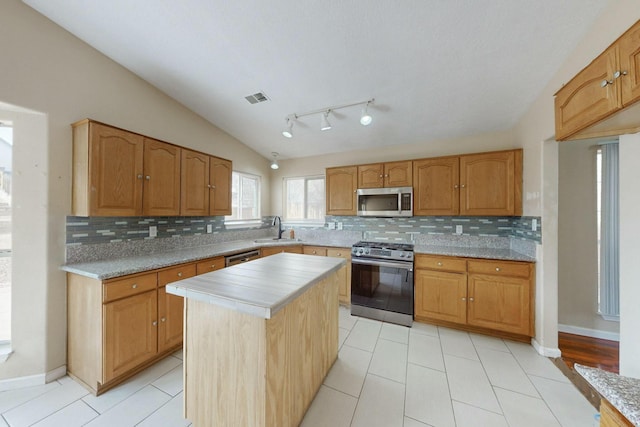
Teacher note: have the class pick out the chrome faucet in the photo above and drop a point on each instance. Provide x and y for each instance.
(280, 229)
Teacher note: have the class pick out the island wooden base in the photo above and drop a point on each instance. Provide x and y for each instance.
(243, 370)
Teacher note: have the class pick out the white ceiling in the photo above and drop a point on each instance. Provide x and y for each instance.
(437, 68)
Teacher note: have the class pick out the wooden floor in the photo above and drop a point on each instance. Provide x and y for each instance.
(595, 352)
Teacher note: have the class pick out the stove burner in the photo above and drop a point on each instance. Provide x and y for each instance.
(383, 250)
(385, 245)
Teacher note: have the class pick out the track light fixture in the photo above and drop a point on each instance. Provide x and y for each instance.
(324, 121)
(365, 117)
(274, 162)
(288, 132)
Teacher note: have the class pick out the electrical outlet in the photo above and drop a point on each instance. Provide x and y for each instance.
(534, 224)
(458, 229)
(209, 228)
(153, 231)
(339, 226)
(331, 225)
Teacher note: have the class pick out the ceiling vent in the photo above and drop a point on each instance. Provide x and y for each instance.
(256, 97)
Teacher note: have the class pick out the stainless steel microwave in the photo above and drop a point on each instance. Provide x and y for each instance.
(385, 202)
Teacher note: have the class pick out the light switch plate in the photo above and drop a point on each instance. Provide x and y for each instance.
(534, 224)
(458, 229)
(331, 226)
(209, 228)
(339, 226)
(153, 231)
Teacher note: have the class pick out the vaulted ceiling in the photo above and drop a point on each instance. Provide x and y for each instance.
(436, 68)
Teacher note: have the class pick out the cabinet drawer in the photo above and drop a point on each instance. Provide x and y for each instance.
(176, 273)
(501, 268)
(211, 264)
(121, 288)
(441, 263)
(339, 253)
(315, 250)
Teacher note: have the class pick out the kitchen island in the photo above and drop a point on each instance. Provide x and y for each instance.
(259, 338)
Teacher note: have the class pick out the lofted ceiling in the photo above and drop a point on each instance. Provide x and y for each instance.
(436, 68)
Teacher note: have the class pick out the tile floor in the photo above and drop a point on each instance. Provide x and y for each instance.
(386, 375)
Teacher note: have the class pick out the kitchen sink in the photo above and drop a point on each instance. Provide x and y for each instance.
(275, 240)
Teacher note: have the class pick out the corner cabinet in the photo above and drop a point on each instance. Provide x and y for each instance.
(206, 185)
(486, 184)
(344, 288)
(598, 100)
(491, 296)
(341, 186)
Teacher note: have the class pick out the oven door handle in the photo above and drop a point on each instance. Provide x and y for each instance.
(402, 265)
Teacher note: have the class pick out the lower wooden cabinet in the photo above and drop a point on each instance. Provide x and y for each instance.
(491, 295)
(210, 264)
(611, 417)
(171, 307)
(344, 290)
(271, 250)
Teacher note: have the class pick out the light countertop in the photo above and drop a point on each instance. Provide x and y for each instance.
(622, 392)
(260, 287)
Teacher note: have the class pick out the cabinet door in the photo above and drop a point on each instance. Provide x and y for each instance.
(436, 186)
(398, 174)
(130, 333)
(161, 178)
(490, 183)
(630, 63)
(220, 180)
(170, 307)
(341, 190)
(315, 250)
(371, 176)
(500, 302)
(208, 265)
(344, 289)
(116, 167)
(584, 101)
(441, 296)
(194, 184)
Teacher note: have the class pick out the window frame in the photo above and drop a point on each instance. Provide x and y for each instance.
(303, 221)
(231, 222)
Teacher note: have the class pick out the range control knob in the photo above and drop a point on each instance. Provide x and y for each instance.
(401, 254)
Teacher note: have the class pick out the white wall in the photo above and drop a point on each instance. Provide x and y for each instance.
(61, 79)
(578, 241)
(629, 255)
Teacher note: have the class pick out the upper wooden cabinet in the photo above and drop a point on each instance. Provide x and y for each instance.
(121, 173)
(220, 186)
(161, 193)
(107, 171)
(341, 183)
(475, 184)
(598, 100)
(379, 175)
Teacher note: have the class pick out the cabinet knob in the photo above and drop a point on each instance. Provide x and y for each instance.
(164, 319)
(339, 254)
(471, 299)
(154, 323)
(209, 185)
(497, 268)
(439, 264)
(134, 286)
(314, 252)
(139, 176)
(213, 266)
(462, 186)
(213, 187)
(606, 82)
(464, 299)
(456, 186)
(619, 74)
(380, 176)
(147, 177)
(179, 273)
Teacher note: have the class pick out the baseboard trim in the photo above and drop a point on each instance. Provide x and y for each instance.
(33, 380)
(545, 351)
(593, 333)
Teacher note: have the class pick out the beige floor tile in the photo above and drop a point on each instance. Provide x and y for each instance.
(427, 397)
(330, 408)
(390, 361)
(348, 372)
(469, 383)
(381, 404)
(424, 350)
(525, 411)
(471, 416)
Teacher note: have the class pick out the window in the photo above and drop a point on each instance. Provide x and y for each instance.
(304, 199)
(245, 199)
(608, 231)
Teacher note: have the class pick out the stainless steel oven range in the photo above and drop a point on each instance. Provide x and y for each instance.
(382, 281)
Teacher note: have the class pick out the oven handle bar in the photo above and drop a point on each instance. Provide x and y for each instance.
(403, 265)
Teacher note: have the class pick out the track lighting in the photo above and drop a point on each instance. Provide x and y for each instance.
(365, 117)
(324, 122)
(274, 162)
(288, 132)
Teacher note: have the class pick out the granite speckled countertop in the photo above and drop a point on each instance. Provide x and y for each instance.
(622, 392)
(261, 287)
(110, 268)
